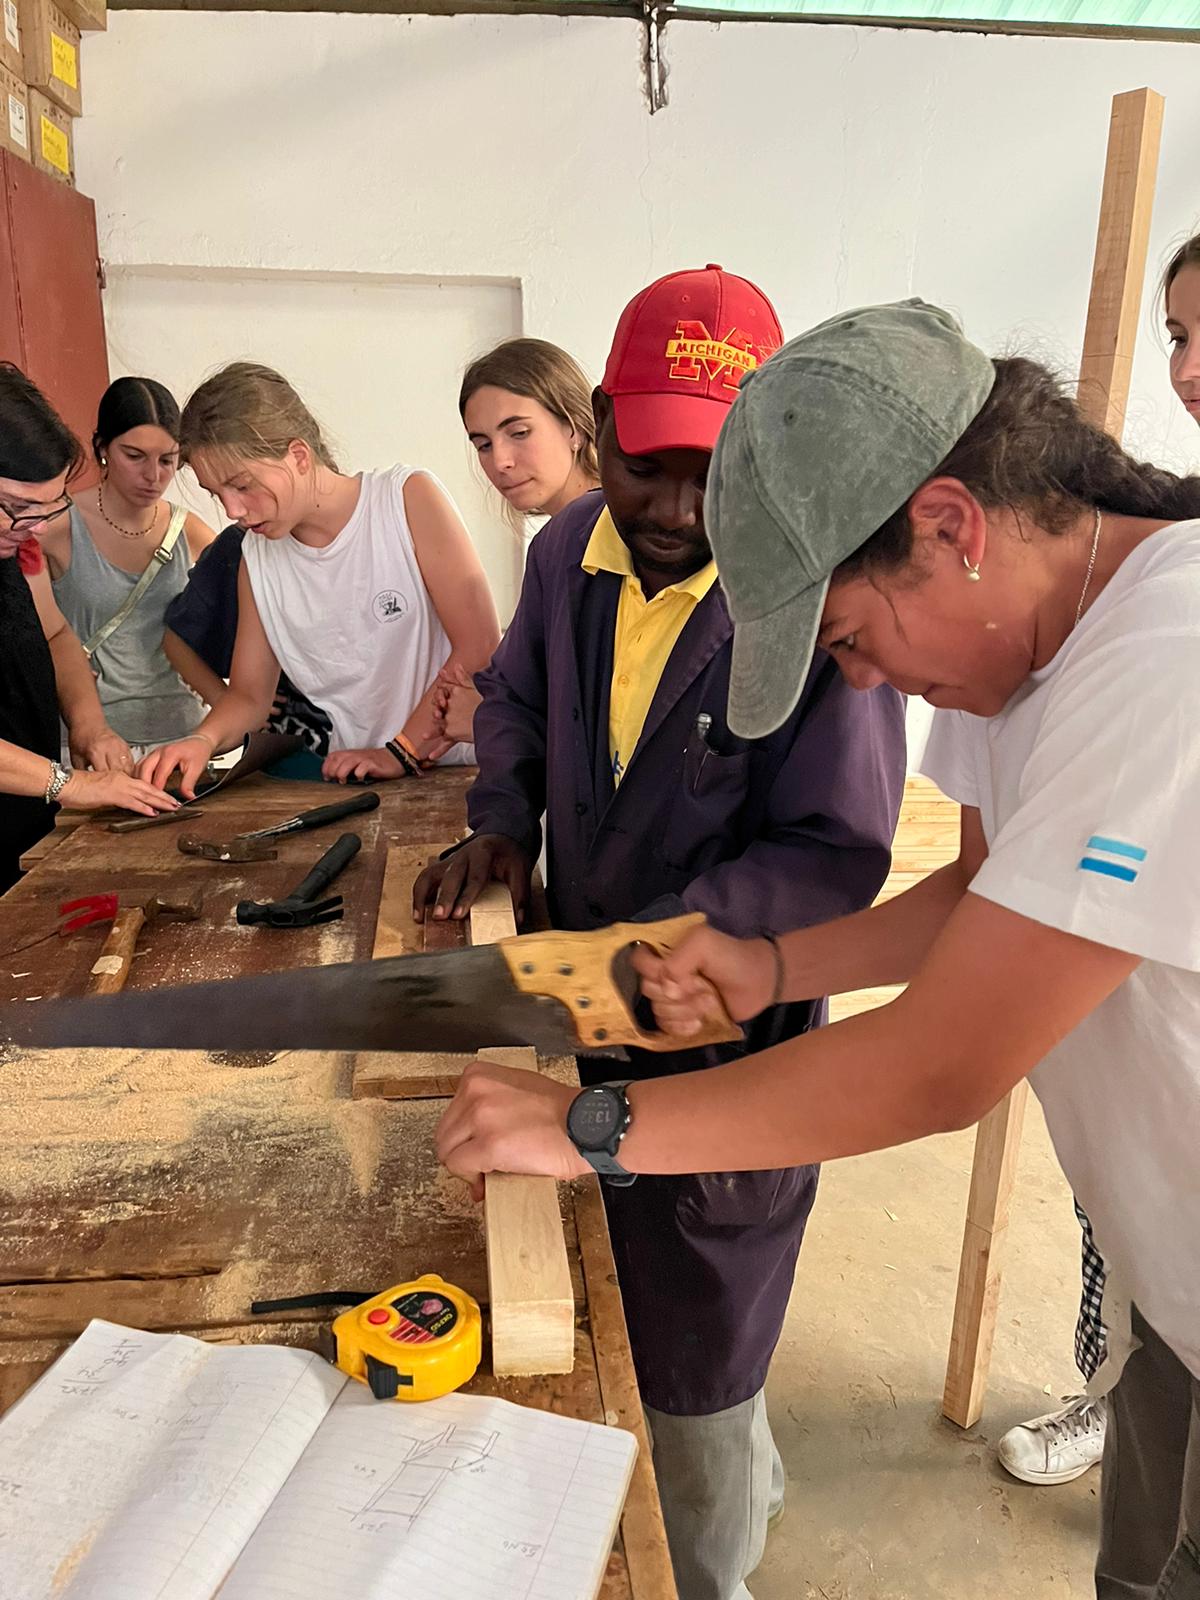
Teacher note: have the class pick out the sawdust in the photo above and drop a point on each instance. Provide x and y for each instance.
(360, 1126)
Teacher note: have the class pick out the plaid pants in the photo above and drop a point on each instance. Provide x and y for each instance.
(1091, 1336)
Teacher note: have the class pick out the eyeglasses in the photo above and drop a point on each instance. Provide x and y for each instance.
(22, 517)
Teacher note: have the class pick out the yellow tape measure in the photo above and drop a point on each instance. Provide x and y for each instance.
(416, 1341)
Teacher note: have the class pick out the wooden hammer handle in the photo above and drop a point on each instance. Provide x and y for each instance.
(579, 970)
(111, 967)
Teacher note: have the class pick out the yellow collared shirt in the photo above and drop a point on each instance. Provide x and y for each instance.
(647, 632)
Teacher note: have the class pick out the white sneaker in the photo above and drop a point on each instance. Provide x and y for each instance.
(1057, 1447)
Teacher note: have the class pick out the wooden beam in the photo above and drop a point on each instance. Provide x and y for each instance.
(396, 933)
(492, 917)
(997, 1146)
(529, 1279)
(1119, 269)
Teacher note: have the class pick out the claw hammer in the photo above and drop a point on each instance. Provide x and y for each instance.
(111, 967)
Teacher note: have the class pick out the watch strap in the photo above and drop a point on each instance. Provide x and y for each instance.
(608, 1168)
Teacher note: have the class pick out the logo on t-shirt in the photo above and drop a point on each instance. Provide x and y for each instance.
(1100, 852)
(389, 604)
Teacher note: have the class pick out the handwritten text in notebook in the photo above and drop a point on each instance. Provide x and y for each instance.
(155, 1465)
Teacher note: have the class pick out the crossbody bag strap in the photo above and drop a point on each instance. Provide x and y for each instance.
(160, 559)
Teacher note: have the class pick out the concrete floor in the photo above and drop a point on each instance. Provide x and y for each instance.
(887, 1500)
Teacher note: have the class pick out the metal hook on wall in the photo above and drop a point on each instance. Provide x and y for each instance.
(654, 21)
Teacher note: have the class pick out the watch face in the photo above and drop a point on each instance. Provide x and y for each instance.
(596, 1119)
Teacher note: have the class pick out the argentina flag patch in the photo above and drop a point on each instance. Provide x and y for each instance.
(1113, 858)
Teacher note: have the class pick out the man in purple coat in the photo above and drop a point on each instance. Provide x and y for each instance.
(604, 713)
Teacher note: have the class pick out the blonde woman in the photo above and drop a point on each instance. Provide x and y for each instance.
(358, 587)
(527, 409)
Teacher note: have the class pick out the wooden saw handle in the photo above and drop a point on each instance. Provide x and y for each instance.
(112, 965)
(578, 970)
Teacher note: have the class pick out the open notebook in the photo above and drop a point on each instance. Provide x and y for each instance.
(148, 1466)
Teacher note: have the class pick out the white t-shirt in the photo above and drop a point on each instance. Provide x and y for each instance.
(1088, 783)
(352, 623)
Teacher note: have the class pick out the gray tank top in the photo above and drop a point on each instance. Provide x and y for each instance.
(143, 697)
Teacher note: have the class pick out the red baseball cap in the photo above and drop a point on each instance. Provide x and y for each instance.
(681, 349)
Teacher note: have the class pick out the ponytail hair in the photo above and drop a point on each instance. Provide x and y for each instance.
(132, 403)
(1031, 449)
(540, 371)
(248, 412)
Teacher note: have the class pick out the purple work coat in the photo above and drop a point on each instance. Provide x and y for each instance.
(761, 835)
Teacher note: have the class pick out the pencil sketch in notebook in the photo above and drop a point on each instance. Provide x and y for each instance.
(152, 1465)
(427, 1461)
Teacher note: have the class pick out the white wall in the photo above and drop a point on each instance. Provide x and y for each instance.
(377, 359)
(833, 165)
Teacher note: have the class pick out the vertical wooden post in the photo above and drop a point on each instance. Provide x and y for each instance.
(1114, 306)
(1119, 269)
(997, 1146)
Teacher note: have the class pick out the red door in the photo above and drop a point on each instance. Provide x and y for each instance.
(51, 319)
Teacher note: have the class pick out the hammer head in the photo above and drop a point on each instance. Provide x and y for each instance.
(235, 850)
(157, 909)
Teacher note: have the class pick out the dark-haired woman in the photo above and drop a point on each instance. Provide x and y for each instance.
(114, 535)
(42, 669)
(954, 526)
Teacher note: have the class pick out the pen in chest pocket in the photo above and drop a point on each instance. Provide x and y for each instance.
(703, 729)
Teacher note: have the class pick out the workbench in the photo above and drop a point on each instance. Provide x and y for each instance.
(168, 1189)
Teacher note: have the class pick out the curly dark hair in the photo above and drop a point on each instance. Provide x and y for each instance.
(1031, 449)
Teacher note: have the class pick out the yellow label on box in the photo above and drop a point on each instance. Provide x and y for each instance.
(64, 62)
(55, 148)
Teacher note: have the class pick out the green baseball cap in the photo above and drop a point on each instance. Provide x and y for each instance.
(822, 444)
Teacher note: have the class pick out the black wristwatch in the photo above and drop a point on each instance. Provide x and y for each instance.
(597, 1120)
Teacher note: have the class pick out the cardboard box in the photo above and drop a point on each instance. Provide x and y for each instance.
(90, 16)
(51, 140)
(14, 115)
(10, 41)
(50, 41)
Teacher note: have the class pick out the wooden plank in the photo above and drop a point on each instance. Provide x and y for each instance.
(400, 1074)
(492, 916)
(642, 1532)
(997, 1146)
(529, 1279)
(529, 1283)
(65, 824)
(407, 1074)
(396, 933)
(1119, 267)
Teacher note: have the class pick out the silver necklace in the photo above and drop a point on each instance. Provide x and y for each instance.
(1091, 567)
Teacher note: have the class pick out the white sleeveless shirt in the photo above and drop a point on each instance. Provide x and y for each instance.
(352, 623)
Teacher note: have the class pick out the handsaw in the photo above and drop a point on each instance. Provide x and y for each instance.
(562, 993)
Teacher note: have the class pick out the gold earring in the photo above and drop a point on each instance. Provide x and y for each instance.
(972, 571)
